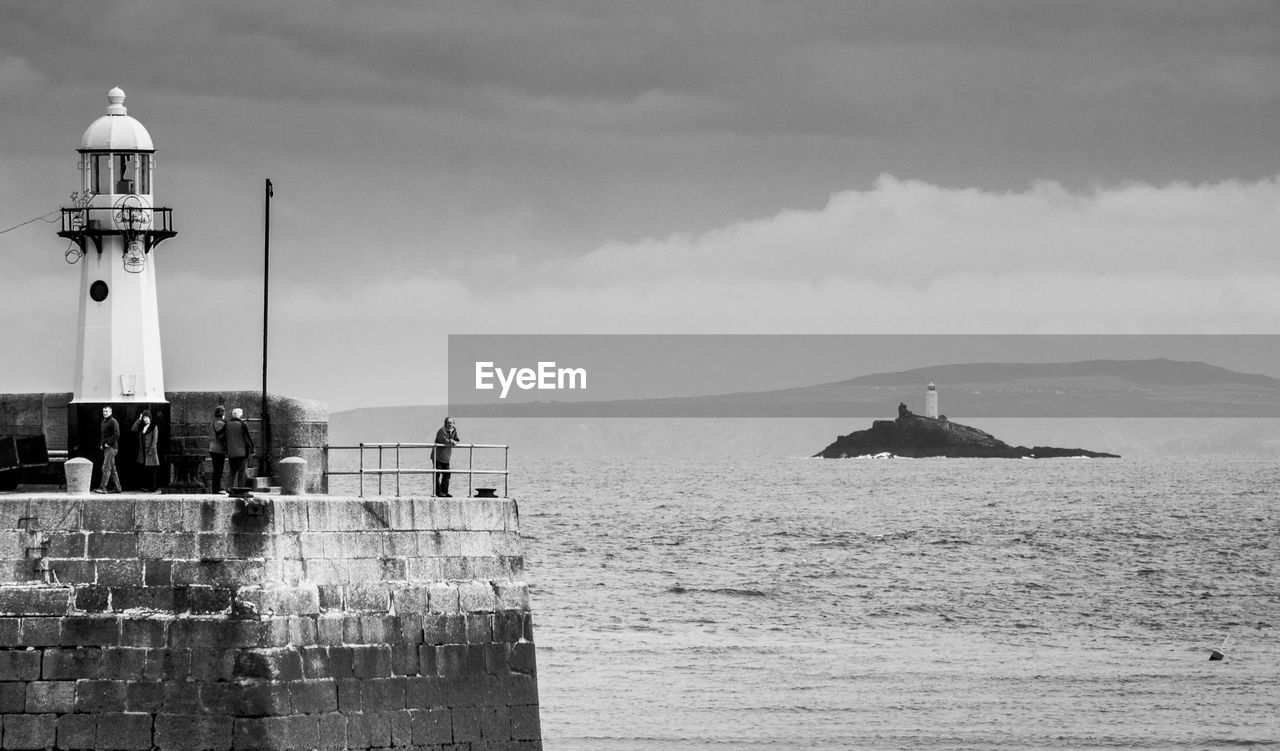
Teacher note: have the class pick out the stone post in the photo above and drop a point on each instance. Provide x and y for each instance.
(79, 475)
(292, 472)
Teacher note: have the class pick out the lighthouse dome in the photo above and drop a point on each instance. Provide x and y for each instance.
(116, 131)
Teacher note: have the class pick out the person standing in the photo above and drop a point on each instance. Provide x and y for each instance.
(148, 449)
(218, 447)
(442, 453)
(239, 447)
(109, 443)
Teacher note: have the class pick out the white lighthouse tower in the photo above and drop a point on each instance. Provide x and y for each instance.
(115, 227)
(931, 401)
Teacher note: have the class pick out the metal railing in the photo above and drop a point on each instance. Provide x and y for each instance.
(394, 452)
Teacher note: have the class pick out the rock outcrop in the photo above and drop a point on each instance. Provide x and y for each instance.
(911, 435)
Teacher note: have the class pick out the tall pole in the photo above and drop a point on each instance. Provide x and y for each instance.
(266, 288)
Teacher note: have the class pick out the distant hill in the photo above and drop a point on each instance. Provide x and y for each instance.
(1103, 391)
(1092, 388)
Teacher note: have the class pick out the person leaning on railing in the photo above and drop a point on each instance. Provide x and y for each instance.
(442, 453)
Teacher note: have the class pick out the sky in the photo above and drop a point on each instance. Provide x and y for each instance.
(715, 166)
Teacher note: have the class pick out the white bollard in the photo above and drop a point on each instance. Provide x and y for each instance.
(79, 475)
(292, 472)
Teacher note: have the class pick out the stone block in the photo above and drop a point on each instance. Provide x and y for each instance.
(144, 696)
(479, 628)
(58, 697)
(371, 661)
(202, 600)
(404, 659)
(451, 660)
(76, 731)
(425, 570)
(13, 696)
(34, 600)
(512, 595)
(302, 731)
(75, 663)
(333, 730)
(425, 691)
(476, 597)
(350, 695)
(523, 658)
(166, 546)
(41, 632)
(92, 599)
(10, 631)
(101, 631)
(400, 544)
(100, 696)
(64, 545)
(382, 694)
(124, 663)
(497, 658)
(314, 697)
(401, 727)
(260, 733)
(278, 600)
(20, 665)
(358, 731)
(213, 664)
(218, 573)
(264, 699)
(220, 698)
(118, 573)
(143, 632)
(495, 723)
(282, 664)
(125, 731)
(443, 598)
(30, 731)
(467, 724)
(524, 723)
(108, 515)
(368, 598)
(120, 545)
(157, 573)
(171, 664)
(178, 732)
(508, 625)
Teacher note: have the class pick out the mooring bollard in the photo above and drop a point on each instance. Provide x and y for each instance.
(79, 475)
(293, 475)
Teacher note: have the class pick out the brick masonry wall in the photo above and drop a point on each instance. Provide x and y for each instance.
(198, 622)
(299, 427)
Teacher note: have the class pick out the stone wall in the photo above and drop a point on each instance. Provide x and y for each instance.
(199, 622)
(299, 427)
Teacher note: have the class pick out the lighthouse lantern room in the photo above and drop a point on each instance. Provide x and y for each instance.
(114, 228)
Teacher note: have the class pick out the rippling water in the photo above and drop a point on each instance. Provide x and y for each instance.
(888, 604)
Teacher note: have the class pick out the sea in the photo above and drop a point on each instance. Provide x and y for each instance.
(774, 602)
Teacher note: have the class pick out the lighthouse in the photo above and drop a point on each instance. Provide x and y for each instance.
(931, 401)
(115, 227)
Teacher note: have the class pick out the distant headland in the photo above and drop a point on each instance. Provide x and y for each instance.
(912, 435)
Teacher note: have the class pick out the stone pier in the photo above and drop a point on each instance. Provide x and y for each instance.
(288, 622)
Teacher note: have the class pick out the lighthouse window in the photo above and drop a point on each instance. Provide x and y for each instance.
(126, 172)
(144, 174)
(101, 165)
(98, 291)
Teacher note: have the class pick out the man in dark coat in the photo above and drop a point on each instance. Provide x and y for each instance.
(109, 443)
(239, 447)
(446, 439)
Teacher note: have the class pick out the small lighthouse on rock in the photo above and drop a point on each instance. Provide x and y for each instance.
(114, 227)
(931, 401)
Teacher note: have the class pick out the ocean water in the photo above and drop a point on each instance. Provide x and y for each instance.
(773, 602)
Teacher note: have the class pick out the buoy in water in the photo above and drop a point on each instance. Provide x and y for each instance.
(1215, 655)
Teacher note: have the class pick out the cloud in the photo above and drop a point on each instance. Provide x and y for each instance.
(900, 256)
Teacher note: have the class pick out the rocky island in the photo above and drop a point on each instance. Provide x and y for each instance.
(912, 435)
